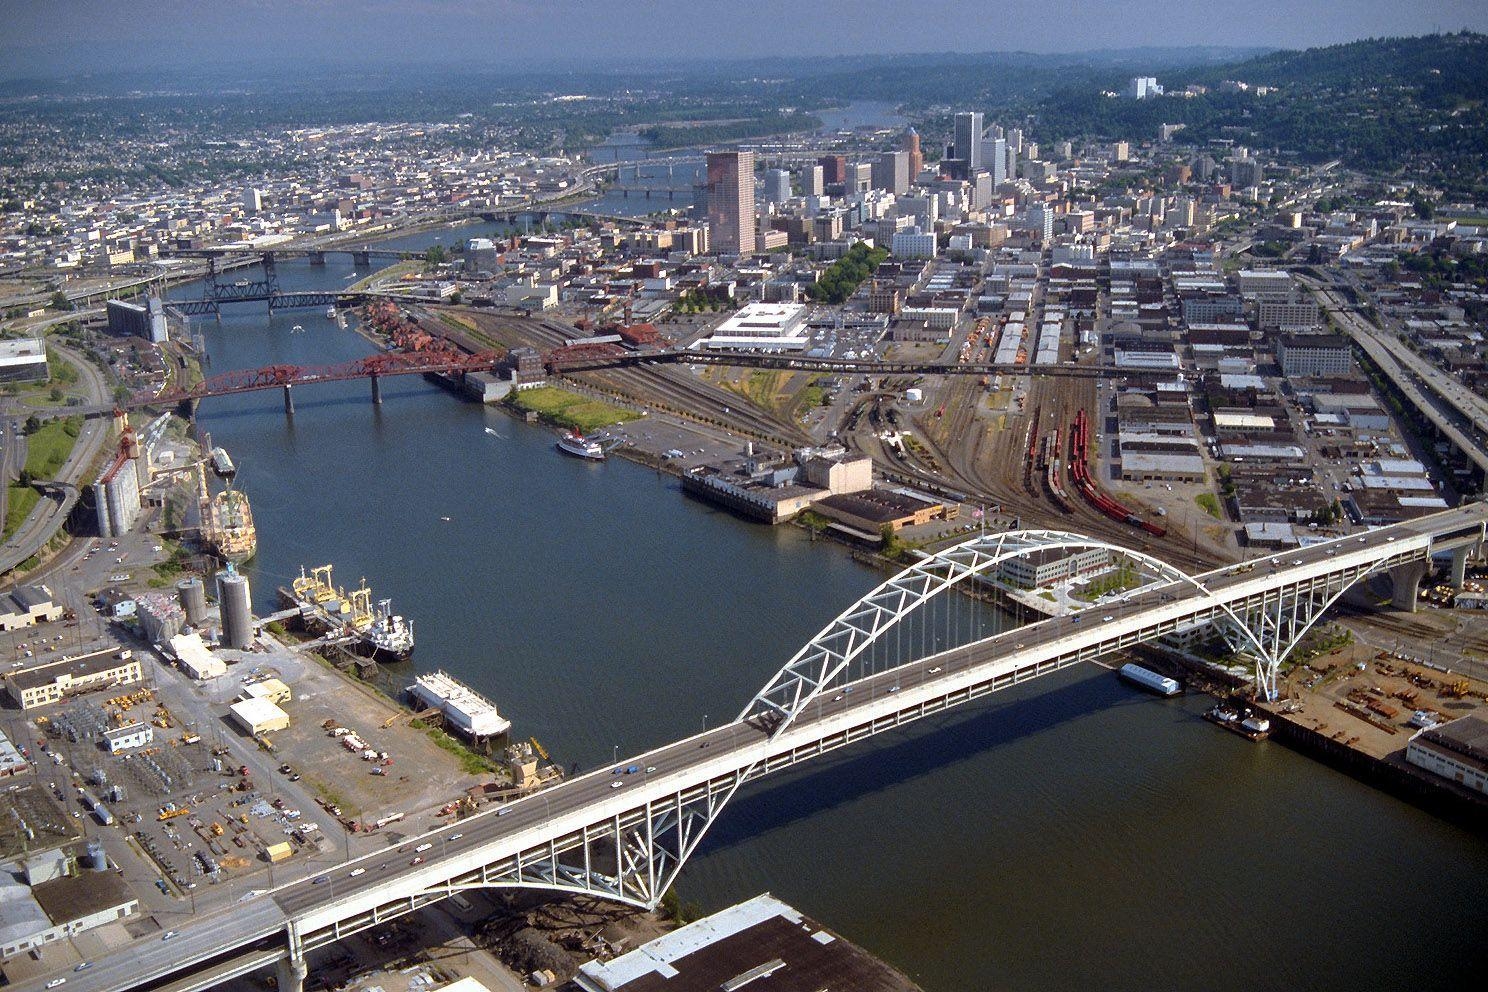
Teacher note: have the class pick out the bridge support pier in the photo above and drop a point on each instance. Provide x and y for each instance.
(376, 391)
(1406, 579)
(361, 259)
(288, 401)
(1459, 567)
(317, 258)
(291, 973)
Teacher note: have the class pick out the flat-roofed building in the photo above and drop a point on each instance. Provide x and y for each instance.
(1048, 566)
(50, 682)
(131, 735)
(60, 908)
(23, 360)
(868, 512)
(1313, 354)
(1456, 751)
(762, 327)
(26, 606)
(759, 944)
(194, 658)
(259, 716)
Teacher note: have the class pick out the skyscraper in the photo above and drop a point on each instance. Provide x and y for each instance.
(812, 180)
(834, 168)
(731, 202)
(777, 186)
(911, 145)
(969, 140)
(891, 172)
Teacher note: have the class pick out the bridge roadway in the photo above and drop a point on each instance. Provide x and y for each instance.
(359, 894)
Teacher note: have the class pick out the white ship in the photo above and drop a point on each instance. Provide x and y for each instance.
(390, 637)
(330, 313)
(576, 444)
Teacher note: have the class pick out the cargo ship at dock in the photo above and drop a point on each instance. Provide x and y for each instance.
(227, 527)
(349, 617)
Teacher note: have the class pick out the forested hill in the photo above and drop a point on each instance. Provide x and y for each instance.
(1406, 106)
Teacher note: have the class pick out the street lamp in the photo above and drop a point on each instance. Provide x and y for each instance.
(615, 758)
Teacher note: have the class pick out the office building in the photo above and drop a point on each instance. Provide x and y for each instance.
(995, 159)
(857, 179)
(891, 172)
(1275, 312)
(913, 243)
(731, 202)
(1246, 172)
(813, 180)
(252, 200)
(777, 186)
(23, 360)
(834, 168)
(1040, 220)
(1313, 354)
(50, 682)
(1143, 87)
(969, 140)
(911, 146)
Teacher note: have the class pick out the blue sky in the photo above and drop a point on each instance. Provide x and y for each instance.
(111, 34)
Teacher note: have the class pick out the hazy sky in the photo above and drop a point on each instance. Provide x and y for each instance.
(68, 35)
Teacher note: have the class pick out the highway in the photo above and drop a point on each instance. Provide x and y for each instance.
(51, 512)
(1459, 413)
(840, 715)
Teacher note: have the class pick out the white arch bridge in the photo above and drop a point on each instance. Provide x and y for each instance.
(904, 651)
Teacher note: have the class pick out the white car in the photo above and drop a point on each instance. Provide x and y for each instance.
(616, 784)
(358, 871)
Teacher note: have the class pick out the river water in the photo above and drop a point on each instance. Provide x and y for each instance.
(1069, 833)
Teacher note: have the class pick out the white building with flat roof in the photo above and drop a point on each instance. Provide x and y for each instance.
(762, 327)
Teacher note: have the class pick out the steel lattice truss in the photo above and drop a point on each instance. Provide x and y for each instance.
(1268, 630)
(631, 858)
(635, 855)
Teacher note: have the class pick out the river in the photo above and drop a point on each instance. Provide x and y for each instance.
(1069, 833)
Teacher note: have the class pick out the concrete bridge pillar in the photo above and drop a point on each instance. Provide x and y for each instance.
(361, 258)
(288, 401)
(317, 258)
(1459, 567)
(291, 973)
(376, 391)
(1406, 579)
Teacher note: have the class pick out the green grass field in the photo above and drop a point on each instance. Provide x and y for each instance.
(46, 453)
(566, 409)
(48, 448)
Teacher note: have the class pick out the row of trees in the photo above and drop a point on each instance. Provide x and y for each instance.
(844, 276)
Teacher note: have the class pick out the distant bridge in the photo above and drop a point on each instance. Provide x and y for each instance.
(285, 377)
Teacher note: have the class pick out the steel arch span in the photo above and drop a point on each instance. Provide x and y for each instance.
(820, 665)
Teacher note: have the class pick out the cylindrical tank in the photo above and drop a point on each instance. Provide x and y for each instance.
(237, 611)
(94, 856)
(193, 593)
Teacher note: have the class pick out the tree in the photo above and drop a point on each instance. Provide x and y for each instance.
(61, 302)
(435, 255)
(33, 424)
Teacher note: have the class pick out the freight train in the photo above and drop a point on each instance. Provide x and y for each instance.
(1080, 473)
